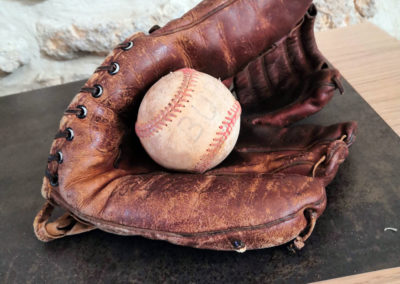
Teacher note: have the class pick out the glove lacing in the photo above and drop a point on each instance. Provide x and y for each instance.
(80, 111)
(323, 158)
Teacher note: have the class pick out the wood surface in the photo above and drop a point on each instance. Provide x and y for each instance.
(370, 60)
(391, 275)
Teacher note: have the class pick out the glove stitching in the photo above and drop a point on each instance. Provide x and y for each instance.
(222, 135)
(179, 100)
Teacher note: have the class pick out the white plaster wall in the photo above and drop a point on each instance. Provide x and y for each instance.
(49, 42)
(387, 16)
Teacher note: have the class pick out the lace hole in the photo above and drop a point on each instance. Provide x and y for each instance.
(54, 180)
(114, 68)
(154, 28)
(60, 157)
(128, 46)
(83, 112)
(237, 244)
(312, 11)
(98, 92)
(70, 134)
(324, 66)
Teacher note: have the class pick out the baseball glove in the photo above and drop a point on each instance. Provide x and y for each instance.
(269, 191)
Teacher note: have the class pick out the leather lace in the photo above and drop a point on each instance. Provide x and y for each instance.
(154, 28)
(96, 90)
(53, 178)
(68, 134)
(58, 157)
(112, 69)
(80, 111)
(337, 84)
(125, 45)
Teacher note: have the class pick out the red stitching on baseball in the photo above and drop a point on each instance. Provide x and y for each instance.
(175, 105)
(221, 136)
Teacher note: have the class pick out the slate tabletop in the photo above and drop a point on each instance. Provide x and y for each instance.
(349, 238)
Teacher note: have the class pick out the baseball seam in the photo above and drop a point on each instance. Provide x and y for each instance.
(176, 104)
(221, 136)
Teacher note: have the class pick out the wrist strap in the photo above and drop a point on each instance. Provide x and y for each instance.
(64, 226)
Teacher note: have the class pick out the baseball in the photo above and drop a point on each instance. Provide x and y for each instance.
(188, 121)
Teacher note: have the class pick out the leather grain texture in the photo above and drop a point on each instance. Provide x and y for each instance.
(269, 191)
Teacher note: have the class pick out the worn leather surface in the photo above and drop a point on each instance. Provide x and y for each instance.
(263, 195)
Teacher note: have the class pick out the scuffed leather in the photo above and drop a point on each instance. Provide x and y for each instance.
(261, 196)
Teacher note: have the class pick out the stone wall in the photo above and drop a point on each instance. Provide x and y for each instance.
(49, 42)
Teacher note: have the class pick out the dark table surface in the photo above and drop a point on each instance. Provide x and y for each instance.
(349, 237)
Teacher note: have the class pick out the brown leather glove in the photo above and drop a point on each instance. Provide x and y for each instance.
(268, 192)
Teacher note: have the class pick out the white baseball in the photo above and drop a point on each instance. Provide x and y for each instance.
(188, 121)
